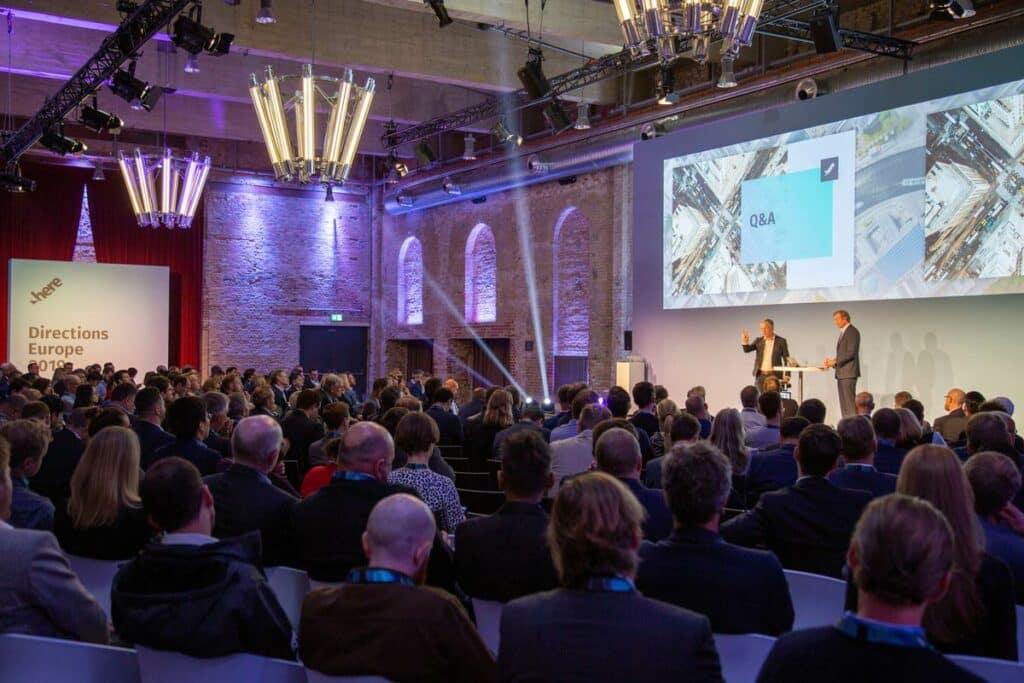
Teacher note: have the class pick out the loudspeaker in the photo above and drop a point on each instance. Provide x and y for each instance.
(627, 340)
(529, 345)
(824, 28)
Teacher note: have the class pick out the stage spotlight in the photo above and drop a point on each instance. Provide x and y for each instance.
(529, 400)
(425, 154)
(582, 116)
(191, 36)
(469, 151)
(952, 9)
(15, 182)
(55, 141)
(531, 75)
(536, 166)
(667, 86)
(450, 187)
(137, 93)
(192, 65)
(728, 78)
(396, 170)
(266, 13)
(505, 136)
(547, 403)
(97, 172)
(329, 195)
(98, 120)
(556, 116)
(647, 132)
(405, 200)
(440, 11)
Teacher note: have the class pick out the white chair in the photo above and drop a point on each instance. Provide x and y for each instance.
(488, 622)
(97, 577)
(1020, 632)
(742, 655)
(159, 666)
(290, 587)
(817, 600)
(992, 670)
(317, 677)
(52, 660)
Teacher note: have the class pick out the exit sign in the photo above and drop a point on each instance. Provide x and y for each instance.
(337, 317)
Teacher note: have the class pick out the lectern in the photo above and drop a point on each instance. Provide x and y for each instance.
(799, 372)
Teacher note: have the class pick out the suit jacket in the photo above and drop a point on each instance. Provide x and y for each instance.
(848, 354)
(571, 456)
(219, 444)
(301, 431)
(951, 425)
(244, 502)
(888, 457)
(53, 479)
(506, 555)
(598, 637)
(193, 450)
(29, 510)
(652, 473)
(316, 454)
(556, 419)
(740, 590)
(280, 399)
(647, 422)
(1004, 544)
(780, 351)
(449, 426)
(807, 525)
(474, 407)
(40, 594)
(658, 523)
(518, 427)
(770, 470)
(151, 437)
(857, 477)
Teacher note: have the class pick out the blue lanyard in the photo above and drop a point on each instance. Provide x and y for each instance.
(371, 575)
(415, 466)
(857, 467)
(608, 584)
(886, 634)
(353, 476)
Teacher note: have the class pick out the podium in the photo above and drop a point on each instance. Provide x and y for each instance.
(799, 372)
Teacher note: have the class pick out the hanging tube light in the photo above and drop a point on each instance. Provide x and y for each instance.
(335, 134)
(275, 113)
(181, 185)
(626, 12)
(306, 115)
(355, 130)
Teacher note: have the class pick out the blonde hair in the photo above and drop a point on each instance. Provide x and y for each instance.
(934, 474)
(910, 428)
(594, 529)
(106, 480)
(499, 409)
(666, 407)
(728, 436)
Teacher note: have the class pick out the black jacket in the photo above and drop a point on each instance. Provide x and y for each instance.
(151, 437)
(219, 443)
(204, 601)
(780, 351)
(196, 452)
(53, 479)
(769, 471)
(648, 422)
(506, 555)
(740, 590)
(873, 481)
(658, 522)
(448, 425)
(118, 541)
(807, 525)
(301, 431)
(889, 458)
(245, 502)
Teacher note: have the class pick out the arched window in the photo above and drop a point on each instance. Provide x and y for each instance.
(481, 276)
(571, 279)
(410, 282)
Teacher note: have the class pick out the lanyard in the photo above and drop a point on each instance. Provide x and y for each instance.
(885, 634)
(353, 476)
(415, 466)
(857, 467)
(371, 575)
(608, 584)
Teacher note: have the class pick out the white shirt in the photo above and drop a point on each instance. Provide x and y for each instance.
(766, 359)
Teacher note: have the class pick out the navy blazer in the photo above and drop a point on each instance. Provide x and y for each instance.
(193, 450)
(807, 525)
(658, 523)
(448, 426)
(740, 590)
(770, 470)
(848, 354)
(598, 637)
(870, 480)
(151, 437)
(889, 458)
(1002, 543)
(53, 479)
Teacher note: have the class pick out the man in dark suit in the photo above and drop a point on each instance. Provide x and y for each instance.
(188, 422)
(859, 454)
(532, 417)
(646, 417)
(617, 452)
(564, 408)
(685, 430)
(888, 456)
(807, 525)
(279, 385)
(150, 411)
(952, 425)
(846, 362)
(302, 428)
(506, 555)
(53, 479)
(774, 469)
(777, 352)
(448, 426)
(475, 406)
(245, 499)
(740, 590)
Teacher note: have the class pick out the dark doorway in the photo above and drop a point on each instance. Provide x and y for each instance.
(484, 368)
(335, 348)
(419, 355)
(571, 369)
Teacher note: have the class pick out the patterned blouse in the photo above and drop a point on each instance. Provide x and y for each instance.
(437, 491)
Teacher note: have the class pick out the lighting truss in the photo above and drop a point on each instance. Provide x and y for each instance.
(180, 183)
(141, 25)
(886, 46)
(350, 108)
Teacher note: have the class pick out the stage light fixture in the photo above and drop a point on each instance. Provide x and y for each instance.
(266, 13)
(647, 132)
(952, 9)
(425, 154)
(97, 172)
(405, 200)
(180, 181)
(531, 75)
(469, 151)
(582, 116)
(58, 143)
(537, 166)
(667, 86)
(556, 116)
(192, 64)
(191, 36)
(504, 136)
(136, 92)
(450, 187)
(728, 77)
(14, 182)
(440, 11)
(547, 403)
(98, 120)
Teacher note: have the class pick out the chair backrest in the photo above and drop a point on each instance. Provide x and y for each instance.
(1020, 632)
(314, 584)
(450, 452)
(97, 577)
(742, 655)
(817, 600)
(457, 463)
(488, 622)
(992, 670)
(317, 677)
(290, 587)
(483, 502)
(53, 660)
(160, 666)
(483, 481)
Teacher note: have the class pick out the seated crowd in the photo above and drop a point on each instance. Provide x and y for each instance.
(631, 531)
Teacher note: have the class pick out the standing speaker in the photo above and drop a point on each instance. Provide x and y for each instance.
(627, 340)
(825, 32)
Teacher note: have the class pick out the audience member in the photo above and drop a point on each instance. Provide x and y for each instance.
(417, 435)
(564, 412)
(244, 497)
(53, 479)
(813, 410)
(617, 452)
(150, 414)
(738, 589)
(449, 426)
(39, 593)
(767, 434)
(995, 480)
(858, 449)
(107, 417)
(864, 404)
(28, 440)
(807, 525)
(189, 592)
(789, 406)
(336, 418)
(887, 425)
(618, 404)
(581, 397)
(301, 426)
(497, 417)
(506, 555)
(685, 430)
(575, 455)
(952, 425)
(667, 411)
(597, 627)
(219, 436)
(910, 429)
(989, 431)
(901, 561)
(532, 420)
(103, 518)
(900, 398)
(696, 406)
(645, 417)
(752, 418)
(775, 468)
(187, 420)
(928, 435)
(383, 621)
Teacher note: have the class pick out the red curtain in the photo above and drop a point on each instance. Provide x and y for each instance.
(119, 239)
(39, 225)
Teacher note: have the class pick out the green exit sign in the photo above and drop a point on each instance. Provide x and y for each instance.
(337, 317)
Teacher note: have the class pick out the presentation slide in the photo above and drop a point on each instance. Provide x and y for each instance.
(925, 200)
(87, 313)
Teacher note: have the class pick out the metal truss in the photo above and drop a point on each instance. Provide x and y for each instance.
(886, 46)
(141, 25)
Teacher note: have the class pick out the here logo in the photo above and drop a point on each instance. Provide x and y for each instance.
(46, 291)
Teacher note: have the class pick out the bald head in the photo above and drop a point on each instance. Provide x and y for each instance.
(618, 453)
(256, 442)
(367, 447)
(399, 535)
(955, 398)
